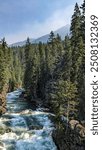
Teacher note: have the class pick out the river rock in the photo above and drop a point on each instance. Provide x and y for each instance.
(8, 130)
(80, 130)
(26, 112)
(4, 130)
(1, 145)
(32, 127)
(73, 123)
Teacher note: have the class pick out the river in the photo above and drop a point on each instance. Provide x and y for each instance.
(26, 127)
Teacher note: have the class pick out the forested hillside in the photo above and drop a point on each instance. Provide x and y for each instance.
(53, 72)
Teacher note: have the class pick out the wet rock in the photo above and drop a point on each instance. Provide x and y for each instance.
(4, 130)
(1, 145)
(8, 130)
(32, 127)
(26, 112)
(23, 94)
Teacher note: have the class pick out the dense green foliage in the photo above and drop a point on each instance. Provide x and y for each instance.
(4, 59)
(53, 71)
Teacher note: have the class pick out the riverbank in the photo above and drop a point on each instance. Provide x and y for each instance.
(67, 138)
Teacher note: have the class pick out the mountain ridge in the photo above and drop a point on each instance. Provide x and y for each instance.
(63, 31)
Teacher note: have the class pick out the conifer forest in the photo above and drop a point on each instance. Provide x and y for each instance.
(44, 81)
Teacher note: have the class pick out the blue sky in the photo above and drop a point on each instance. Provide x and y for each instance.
(34, 18)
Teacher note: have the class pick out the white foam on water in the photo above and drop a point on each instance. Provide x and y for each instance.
(9, 136)
(13, 95)
(25, 139)
(38, 139)
(36, 142)
(2, 148)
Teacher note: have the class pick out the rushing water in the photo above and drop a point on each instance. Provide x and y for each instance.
(25, 128)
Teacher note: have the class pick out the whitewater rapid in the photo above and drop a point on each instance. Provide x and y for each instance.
(25, 128)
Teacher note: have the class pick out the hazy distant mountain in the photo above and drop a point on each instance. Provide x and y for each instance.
(21, 43)
(62, 32)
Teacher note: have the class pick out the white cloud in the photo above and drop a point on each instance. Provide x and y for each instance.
(58, 19)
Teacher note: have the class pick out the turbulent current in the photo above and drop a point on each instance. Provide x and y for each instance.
(23, 128)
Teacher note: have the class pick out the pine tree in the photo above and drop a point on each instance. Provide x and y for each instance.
(59, 44)
(67, 58)
(27, 64)
(30, 74)
(78, 54)
(75, 40)
(4, 74)
(83, 21)
(42, 70)
(51, 38)
(27, 50)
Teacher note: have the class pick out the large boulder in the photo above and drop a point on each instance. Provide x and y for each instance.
(5, 130)
(73, 123)
(80, 130)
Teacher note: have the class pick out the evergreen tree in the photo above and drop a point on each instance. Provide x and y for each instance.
(27, 64)
(4, 74)
(78, 54)
(3, 64)
(75, 40)
(30, 74)
(53, 71)
(83, 21)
